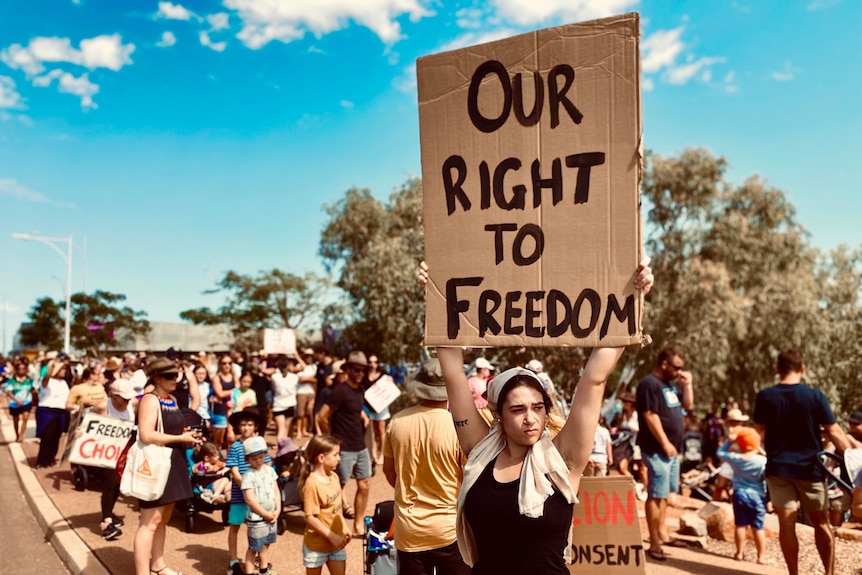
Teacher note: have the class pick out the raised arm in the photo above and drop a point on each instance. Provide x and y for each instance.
(469, 425)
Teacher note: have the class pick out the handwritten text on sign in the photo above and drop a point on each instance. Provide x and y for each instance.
(101, 441)
(530, 179)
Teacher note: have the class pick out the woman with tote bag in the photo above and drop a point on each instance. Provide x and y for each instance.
(158, 405)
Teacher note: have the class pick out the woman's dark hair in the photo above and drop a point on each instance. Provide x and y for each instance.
(523, 381)
(198, 365)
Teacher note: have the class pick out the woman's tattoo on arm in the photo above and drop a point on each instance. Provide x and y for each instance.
(461, 423)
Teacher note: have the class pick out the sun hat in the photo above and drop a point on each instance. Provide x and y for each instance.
(735, 415)
(254, 446)
(428, 383)
(161, 366)
(285, 446)
(357, 358)
(748, 439)
(113, 364)
(248, 413)
(338, 367)
(482, 363)
(123, 388)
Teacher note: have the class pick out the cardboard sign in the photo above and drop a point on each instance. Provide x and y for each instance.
(382, 393)
(101, 440)
(606, 532)
(279, 341)
(531, 168)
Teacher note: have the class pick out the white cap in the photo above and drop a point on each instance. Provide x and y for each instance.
(535, 366)
(482, 363)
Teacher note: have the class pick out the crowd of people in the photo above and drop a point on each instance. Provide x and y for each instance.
(485, 469)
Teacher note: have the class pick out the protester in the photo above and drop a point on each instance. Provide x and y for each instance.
(242, 397)
(660, 437)
(422, 461)
(324, 362)
(51, 416)
(20, 389)
(284, 382)
(223, 383)
(149, 547)
(88, 393)
(516, 501)
(202, 377)
(246, 424)
(627, 420)
(262, 384)
(120, 406)
(790, 417)
(712, 429)
(338, 376)
(378, 419)
(262, 497)
(326, 533)
(187, 392)
(602, 455)
(305, 395)
(348, 423)
(478, 382)
(741, 452)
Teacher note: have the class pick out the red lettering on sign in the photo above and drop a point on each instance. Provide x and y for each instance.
(601, 508)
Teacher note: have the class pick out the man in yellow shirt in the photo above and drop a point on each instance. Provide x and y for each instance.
(422, 461)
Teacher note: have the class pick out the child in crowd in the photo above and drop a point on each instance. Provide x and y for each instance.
(211, 463)
(602, 455)
(326, 533)
(260, 489)
(243, 397)
(245, 424)
(741, 452)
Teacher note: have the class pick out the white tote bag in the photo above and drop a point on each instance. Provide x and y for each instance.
(147, 468)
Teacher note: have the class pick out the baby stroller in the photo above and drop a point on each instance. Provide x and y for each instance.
(198, 503)
(841, 470)
(288, 460)
(380, 553)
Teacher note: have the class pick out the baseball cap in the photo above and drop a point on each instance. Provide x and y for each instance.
(482, 363)
(748, 439)
(855, 418)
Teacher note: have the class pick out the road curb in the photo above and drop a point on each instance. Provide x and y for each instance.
(71, 549)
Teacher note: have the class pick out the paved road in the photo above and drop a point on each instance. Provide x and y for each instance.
(27, 552)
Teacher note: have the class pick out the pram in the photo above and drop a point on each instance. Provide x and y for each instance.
(379, 551)
(197, 504)
(701, 482)
(840, 470)
(291, 499)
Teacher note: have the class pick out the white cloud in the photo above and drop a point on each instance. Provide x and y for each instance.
(9, 96)
(69, 84)
(346, 104)
(647, 85)
(786, 74)
(264, 21)
(206, 41)
(11, 188)
(98, 52)
(539, 11)
(660, 49)
(8, 307)
(219, 21)
(682, 74)
(168, 39)
(170, 11)
(469, 18)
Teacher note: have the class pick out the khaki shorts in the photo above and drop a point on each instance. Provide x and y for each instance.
(785, 492)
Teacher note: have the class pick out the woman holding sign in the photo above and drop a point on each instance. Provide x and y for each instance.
(519, 488)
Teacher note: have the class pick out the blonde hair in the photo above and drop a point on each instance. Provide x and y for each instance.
(319, 445)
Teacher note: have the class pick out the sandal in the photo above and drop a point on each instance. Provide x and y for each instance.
(164, 571)
(656, 555)
(676, 543)
(348, 512)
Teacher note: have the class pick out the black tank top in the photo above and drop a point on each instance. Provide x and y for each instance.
(511, 543)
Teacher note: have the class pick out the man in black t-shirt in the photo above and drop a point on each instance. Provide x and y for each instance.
(790, 417)
(343, 414)
(660, 412)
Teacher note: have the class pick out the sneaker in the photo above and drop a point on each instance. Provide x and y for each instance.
(118, 521)
(207, 495)
(235, 569)
(219, 499)
(111, 532)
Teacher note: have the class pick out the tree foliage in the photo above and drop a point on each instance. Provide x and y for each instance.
(45, 328)
(270, 299)
(374, 249)
(96, 318)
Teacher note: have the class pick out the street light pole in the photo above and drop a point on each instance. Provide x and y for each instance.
(67, 257)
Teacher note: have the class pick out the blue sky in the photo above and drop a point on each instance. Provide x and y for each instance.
(185, 139)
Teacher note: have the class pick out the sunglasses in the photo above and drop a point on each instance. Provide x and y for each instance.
(359, 369)
(226, 363)
(168, 376)
(676, 367)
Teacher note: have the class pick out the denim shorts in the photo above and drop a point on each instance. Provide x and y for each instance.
(312, 559)
(662, 475)
(749, 508)
(219, 421)
(377, 415)
(260, 533)
(237, 513)
(354, 464)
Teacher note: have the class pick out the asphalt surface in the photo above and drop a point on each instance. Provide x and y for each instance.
(26, 551)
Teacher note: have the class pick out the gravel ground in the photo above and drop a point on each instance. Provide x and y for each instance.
(848, 553)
